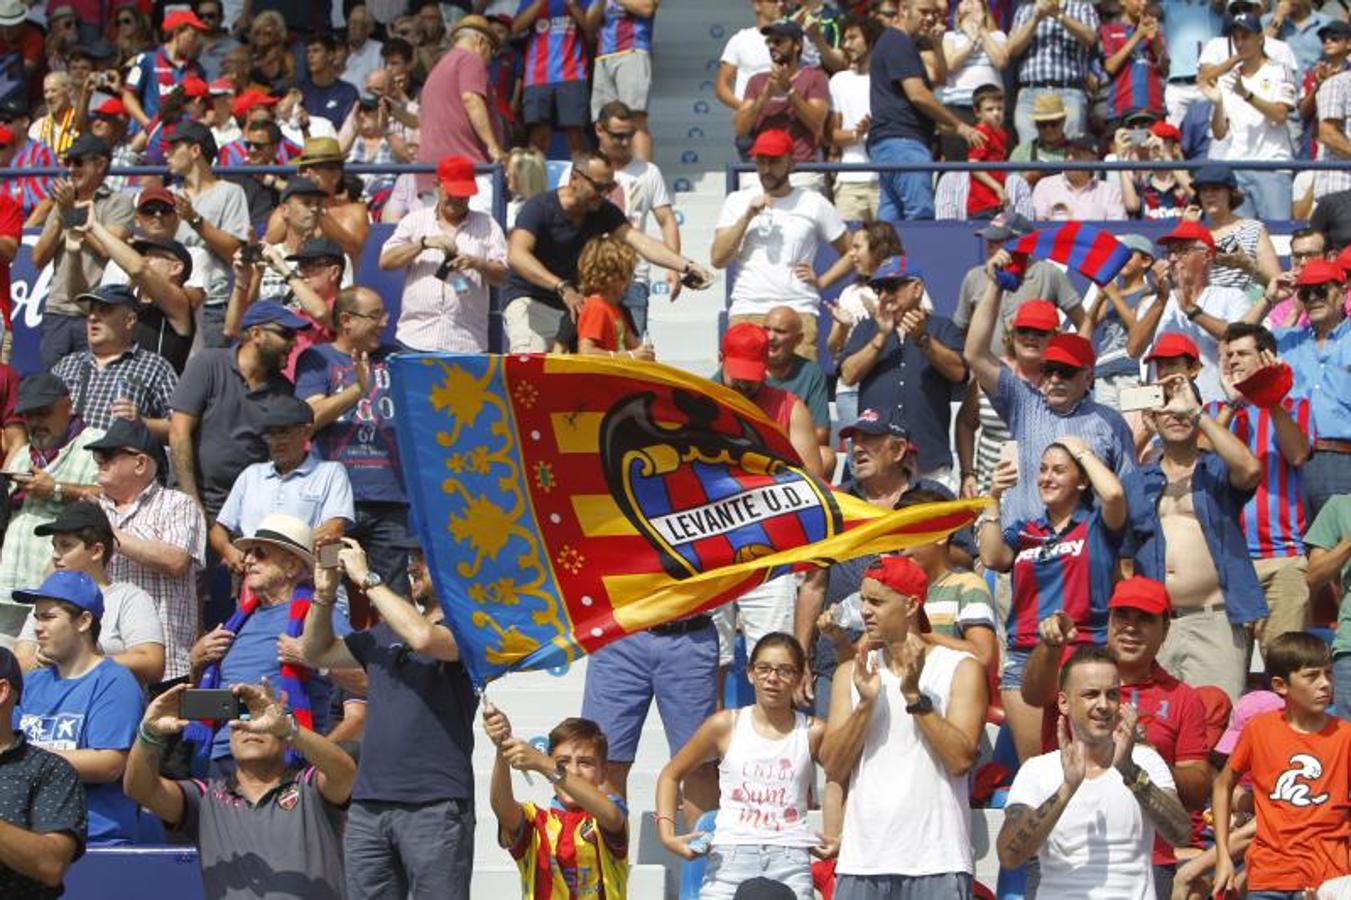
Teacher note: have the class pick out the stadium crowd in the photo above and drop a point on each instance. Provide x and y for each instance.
(205, 492)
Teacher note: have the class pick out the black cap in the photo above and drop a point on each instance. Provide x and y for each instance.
(75, 517)
(39, 392)
(11, 672)
(87, 145)
(143, 245)
(318, 248)
(111, 294)
(1336, 28)
(285, 411)
(13, 107)
(1248, 21)
(783, 28)
(302, 187)
(127, 434)
(193, 133)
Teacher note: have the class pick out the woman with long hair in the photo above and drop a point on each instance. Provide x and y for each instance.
(273, 63)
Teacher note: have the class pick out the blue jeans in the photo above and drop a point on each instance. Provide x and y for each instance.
(1275, 895)
(1268, 195)
(1325, 475)
(728, 867)
(905, 195)
(1341, 685)
(635, 301)
(1076, 111)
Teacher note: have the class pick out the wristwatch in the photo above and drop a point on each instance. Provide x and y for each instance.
(922, 341)
(1194, 312)
(921, 706)
(195, 222)
(372, 580)
(58, 494)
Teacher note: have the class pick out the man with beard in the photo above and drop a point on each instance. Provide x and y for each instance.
(56, 469)
(787, 98)
(856, 193)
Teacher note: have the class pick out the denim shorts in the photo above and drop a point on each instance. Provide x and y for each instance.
(728, 867)
(1015, 663)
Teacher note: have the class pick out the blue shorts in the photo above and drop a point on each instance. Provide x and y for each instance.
(679, 670)
(564, 104)
(1015, 663)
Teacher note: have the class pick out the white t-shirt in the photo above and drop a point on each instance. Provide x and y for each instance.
(1224, 303)
(1101, 847)
(849, 97)
(786, 232)
(1218, 49)
(748, 52)
(129, 618)
(1251, 134)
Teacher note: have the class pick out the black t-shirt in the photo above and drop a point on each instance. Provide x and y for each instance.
(894, 59)
(1332, 216)
(419, 723)
(156, 334)
(558, 242)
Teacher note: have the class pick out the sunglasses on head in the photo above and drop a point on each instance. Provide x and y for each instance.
(1059, 370)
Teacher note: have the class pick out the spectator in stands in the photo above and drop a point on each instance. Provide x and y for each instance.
(1043, 280)
(1154, 193)
(745, 54)
(324, 93)
(223, 394)
(1279, 434)
(363, 51)
(802, 377)
(744, 359)
(273, 63)
(52, 469)
(57, 127)
(76, 265)
(1188, 302)
(116, 377)
(411, 823)
(1102, 794)
(1252, 101)
(1051, 143)
(1078, 195)
(555, 71)
(1135, 57)
(641, 191)
(346, 222)
(1328, 541)
(1332, 112)
(904, 721)
(1111, 315)
(367, 139)
(1292, 755)
(789, 225)
(271, 821)
(787, 98)
(1299, 25)
(1248, 255)
(623, 64)
(82, 705)
(1054, 41)
(261, 192)
(130, 632)
(1056, 559)
(216, 214)
(869, 247)
(1040, 415)
(975, 52)
(447, 310)
(300, 210)
(1306, 245)
(215, 40)
(604, 327)
(904, 112)
(986, 195)
(542, 252)
(913, 370)
(856, 193)
(1185, 518)
(44, 803)
(22, 38)
(19, 151)
(153, 75)
(767, 756)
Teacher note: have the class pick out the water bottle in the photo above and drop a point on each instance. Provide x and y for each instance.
(847, 613)
(700, 842)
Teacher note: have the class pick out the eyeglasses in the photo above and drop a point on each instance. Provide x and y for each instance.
(1058, 370)
(620, 135)
(602, 187)
(785, 673)
(155, 210)
(1175, 250)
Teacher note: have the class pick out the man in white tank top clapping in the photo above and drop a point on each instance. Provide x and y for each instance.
(905, 718)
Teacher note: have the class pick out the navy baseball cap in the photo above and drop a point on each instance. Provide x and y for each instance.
(875, 422)
(69, 586)
(144, 245)
(127, 434)
(783, 28)
(110, 294)
(87, 145)
(40, 391)
(285, 411)
(267, 312)
(75, 517)
(1247, 21)
(318, 248)
(1221, 175)
(192, 133)
(896, 268)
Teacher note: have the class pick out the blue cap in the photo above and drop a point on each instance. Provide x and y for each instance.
(111, 294)
(69, 586)
(1247, 21)
(1221, 175)
(896, 268)
(875, 422)
(266, 312)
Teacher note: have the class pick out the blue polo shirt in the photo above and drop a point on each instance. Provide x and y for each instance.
(314, 492)
(906, 383)
(97, 711)
(1187, 25)
(1303, 39)
(1323, 374)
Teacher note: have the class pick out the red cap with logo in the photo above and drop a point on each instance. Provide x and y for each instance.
(745, 352)
(154, 194)
(1172, 344)
(194, 87)
(1039, 314)
(774, 142)
(1070, 350)
(1320, 271)
(904, 576)
(456, 175)
(112, 107)
(1144, 594)
(1165, 131)
(1187, 230)
(249, 99)
(183, 18)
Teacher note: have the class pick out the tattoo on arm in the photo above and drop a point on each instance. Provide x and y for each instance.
(1028, 829)
(1162, 807)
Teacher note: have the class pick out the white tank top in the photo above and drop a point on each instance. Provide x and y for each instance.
(905, 815)
(765, 786)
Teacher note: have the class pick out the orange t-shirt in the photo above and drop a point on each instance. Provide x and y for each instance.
(603, 323)
(1300, 787)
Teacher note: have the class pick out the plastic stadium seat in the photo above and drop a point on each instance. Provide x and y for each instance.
(122, 873)
(692, 872)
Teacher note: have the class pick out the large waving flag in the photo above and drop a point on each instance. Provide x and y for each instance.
(1091, 251)
(567, 501)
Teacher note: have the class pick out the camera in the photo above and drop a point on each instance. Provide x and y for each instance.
(251, 254)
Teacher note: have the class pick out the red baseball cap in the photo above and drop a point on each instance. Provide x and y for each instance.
(456, 175)
(1320, 271)
(773, 142)
(194, 87)
(155, 194)
(1165, 131)
(1172, 344)
(222, 86)
(904, 576)
(745, 352)
(183, 18)
(6, 136)
(1344, 258)
(1070, 350)
(1187, 230)
(249, 99)
(112, 107)
(1039, 314)
(1144, 594)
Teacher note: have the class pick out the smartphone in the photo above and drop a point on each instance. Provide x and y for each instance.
(1008, 452)
(218, 704)
(251, 254)
(1135, 399)
(328, 555)
(1139, 136)
(75, 217)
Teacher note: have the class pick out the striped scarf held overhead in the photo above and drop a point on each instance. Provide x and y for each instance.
(1092, 252)
(293, 678)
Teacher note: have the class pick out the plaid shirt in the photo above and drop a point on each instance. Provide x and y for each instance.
(141, 375)
(170, 517)
(1055, 55)
(1334, 102)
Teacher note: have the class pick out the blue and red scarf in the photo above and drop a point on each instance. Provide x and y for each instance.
(1091, 251)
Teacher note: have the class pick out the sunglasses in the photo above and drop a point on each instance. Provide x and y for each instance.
(620, 135)
(1311, 291)
(1059, 370)
(602, 187)
(1031, 333)
(155, 210)
(259, 552)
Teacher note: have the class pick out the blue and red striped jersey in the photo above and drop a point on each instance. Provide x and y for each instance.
(236, 154)
(556, 51)
(30, 190)
(1273, 521)
(623, 31)
(1069, 570)
(1138, 84)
